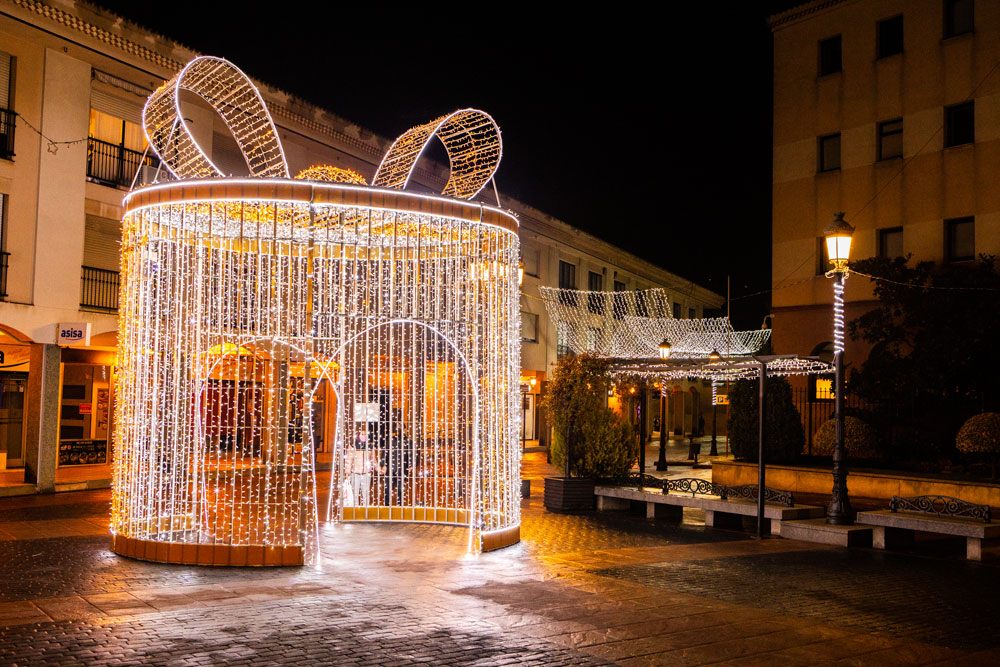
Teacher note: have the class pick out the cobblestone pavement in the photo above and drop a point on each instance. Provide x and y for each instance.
(589, 589)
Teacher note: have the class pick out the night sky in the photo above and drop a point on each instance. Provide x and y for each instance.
(649, 130)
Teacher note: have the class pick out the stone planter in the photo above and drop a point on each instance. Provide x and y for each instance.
(575, 494)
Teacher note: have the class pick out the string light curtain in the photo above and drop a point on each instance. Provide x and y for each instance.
(632, 324)
(243, 300)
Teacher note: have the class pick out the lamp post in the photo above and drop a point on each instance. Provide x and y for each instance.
(838, 246)
(661, 462)
(714, 356)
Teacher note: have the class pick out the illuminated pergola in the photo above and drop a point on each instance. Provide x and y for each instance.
(244, 300)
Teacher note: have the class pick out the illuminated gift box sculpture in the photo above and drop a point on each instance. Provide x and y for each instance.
(245, 300)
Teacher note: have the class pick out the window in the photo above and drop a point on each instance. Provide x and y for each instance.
(890, 242)
(829, 56)
(567, 281)
(529, 256)
(619, 304)
(529, 327)
(6, 115)
(562, 340)
(889, 35)
(690, 313)
(3, 246)
(677, 311)
(958, 17)
(890, 139)
(829, 152)
(641, 307)
(115, 149)
(595, 283)
(959, 124)
(567, 275)
(960, 239)
(822, 263)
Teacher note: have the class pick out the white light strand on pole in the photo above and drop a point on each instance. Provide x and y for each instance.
(838, 312)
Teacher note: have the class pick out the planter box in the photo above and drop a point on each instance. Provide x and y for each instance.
(569, 495)
(863, 484)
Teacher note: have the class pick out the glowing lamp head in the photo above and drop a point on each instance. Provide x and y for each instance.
(838, 241)
(533, 381)
(665, 349)
(714, 355)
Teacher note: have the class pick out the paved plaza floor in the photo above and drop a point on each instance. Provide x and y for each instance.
(591, 589)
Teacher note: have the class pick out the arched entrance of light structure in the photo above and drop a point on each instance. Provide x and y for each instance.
(408, 446)
(257, 473)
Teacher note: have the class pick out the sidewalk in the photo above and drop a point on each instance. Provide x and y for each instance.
(592, 589)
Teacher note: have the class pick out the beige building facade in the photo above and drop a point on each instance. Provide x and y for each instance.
(73, 81)
(887, 110)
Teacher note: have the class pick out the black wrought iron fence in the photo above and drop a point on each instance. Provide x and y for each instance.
(100, 289)
(7, 133)
(114, 165)
(816, 407)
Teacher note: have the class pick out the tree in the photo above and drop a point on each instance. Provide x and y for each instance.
(601, 442)
(933, 333)
(783, 434)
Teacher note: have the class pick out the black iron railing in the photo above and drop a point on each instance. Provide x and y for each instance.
(7, 133)
(114, 165)
(100, 289)
(3, 274)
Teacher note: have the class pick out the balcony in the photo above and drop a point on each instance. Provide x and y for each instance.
(7, 133)
(114, 165)
(100, 289)
(3, 275)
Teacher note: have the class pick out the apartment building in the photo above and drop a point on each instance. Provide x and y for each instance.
(73, 81)
(888, 110)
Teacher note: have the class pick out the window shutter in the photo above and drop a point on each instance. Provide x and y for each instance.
(4, 80)
(102, 244)
(116, 106)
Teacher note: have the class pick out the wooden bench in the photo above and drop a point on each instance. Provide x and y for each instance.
(724, 506)
(942, 515)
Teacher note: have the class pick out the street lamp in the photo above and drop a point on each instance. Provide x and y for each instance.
(665, 349)
(838, 247)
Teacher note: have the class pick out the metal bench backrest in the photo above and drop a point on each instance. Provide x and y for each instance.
(944, 506)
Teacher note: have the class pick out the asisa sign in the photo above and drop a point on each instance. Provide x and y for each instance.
(73, 333)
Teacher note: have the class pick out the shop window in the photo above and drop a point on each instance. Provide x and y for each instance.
(959, 17)
(829, 152)
(960, 239)
(85, 412)
(890, 139)
(821, 386)
(959, 124)
(890, 242)
(829, 56)
(889, 35)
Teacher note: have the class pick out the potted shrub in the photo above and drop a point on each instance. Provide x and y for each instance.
(980, 435)
(784, 436)
(590, 442)
(860, 439)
